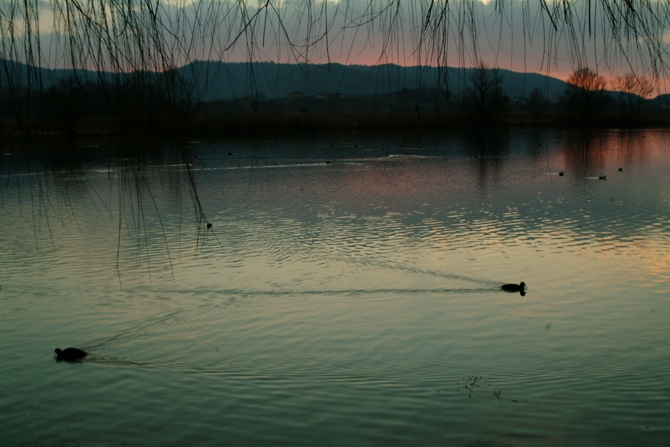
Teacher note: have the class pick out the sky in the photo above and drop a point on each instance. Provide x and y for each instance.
(518, 35)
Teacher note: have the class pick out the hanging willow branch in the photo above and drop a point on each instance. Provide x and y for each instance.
(143, 42)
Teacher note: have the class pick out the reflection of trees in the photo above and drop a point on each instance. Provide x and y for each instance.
(55, 178)
(137, 185)
(586, 153)
(487, 155)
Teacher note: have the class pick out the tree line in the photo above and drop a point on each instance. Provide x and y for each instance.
(144, 42)
(588, 97)
(163, 103)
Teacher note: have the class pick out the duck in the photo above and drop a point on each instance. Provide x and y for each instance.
(521, 287)
(602, 177)
(561, 174)
(621, 169)
(70, 354)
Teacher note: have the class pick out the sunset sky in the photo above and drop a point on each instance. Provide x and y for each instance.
(515, 35)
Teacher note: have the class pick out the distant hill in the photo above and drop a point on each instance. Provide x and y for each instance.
(662, 101)
(224, 80)
(23, 74)
(219, 80)
(16, 73)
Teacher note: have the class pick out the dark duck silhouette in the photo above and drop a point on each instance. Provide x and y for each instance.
(70, 354)
(521, 288)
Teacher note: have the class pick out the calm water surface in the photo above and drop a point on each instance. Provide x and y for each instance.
(346, 293)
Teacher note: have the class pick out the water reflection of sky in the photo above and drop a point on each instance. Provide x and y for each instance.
(476, 197)
(370, 280)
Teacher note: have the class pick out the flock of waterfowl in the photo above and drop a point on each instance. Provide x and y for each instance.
(600, 177)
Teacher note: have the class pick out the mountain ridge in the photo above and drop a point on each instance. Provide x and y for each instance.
(216, 80)
(276, 80)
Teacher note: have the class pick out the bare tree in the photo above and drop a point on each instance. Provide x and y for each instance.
(483, 99)
(631, 92)
(162, 36)
(586, 97)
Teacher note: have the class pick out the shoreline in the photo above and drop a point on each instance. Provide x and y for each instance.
(282, 124)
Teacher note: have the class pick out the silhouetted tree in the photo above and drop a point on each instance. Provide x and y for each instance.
(537, 103)
(65, 104)
(483, 99)
(586, 98)
(631, 91)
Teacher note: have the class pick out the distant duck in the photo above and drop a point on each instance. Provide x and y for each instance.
(603, 177)
(209, 226)
(561, 174)
(620, 169)
(521, 288)
(70, 354)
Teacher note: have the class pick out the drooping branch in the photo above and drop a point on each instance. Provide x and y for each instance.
(129, 37)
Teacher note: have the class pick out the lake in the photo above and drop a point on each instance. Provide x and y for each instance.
(347, 292)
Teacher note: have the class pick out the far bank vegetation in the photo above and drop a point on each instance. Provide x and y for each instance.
(163, 103)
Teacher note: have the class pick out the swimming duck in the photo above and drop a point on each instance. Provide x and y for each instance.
(561, 174)
(521, 287)
(70, 354)
(602, 177)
